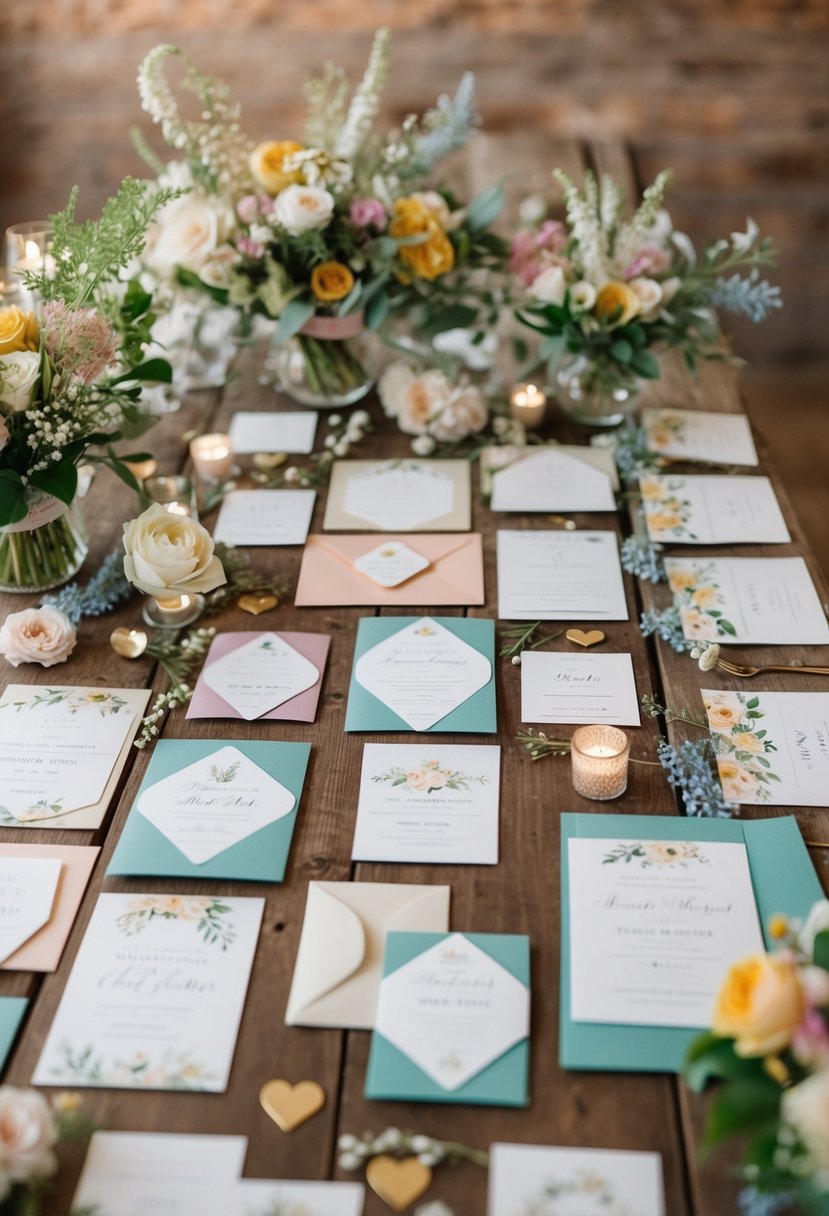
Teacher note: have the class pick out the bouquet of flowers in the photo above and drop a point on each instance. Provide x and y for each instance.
(769, 1049)
(71, 380)
(609, 292)
(327, 235)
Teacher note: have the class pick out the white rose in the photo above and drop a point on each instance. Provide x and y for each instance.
(805, 1107)
(583, 295)
(186, 233)
(215, 272)
(393, 387)
(168, 553)
(27, 1135)
(301, 208)
(37, 635)
(19, 378)
(550, 286)
(464, 414)
(649, 294)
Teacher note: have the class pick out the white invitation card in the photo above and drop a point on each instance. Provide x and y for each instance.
(559, 576)
(537, 1180)
(578, 688)
(408, 495)
(772, 747)
(272, 1197)
(28, 886)
(712, 510)
(753, 600)
(155, 995)
(260, 675)
(555, 478)
(432, 803)
(285, 431)
(265, 517)
(654, 927)
(700, 435)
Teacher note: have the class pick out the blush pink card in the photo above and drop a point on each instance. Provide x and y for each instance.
(207, 703)
(44, 948)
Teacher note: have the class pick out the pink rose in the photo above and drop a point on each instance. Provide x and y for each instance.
(651, 259)
(247, 208)
(37, 635)
(368, 213)
(251, 249)
(27, 1135)
(551, 235)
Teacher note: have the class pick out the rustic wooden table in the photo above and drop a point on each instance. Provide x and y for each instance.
(520, 895)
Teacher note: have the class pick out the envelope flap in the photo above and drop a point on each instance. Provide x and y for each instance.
(434, 547)
(332, 946)
(425, 910)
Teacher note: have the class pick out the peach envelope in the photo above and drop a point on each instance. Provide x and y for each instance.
(454, 574)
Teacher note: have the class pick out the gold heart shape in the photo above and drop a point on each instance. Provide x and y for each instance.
(129, 643)
(290, 1105)
(269, 460)
(591, 638)
(255, 604)
(398, 1183)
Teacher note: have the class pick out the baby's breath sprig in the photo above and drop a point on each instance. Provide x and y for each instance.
(180, 657)
(355, 1151)
(522, 637)
(539, 746)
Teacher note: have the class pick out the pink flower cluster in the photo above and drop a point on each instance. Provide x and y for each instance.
(535, 249)
(81, 341)
(252, 207)
(650, 260)
(368, 213)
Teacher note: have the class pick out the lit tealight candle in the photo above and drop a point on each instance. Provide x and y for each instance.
(172, 611)
(177, 508)
(527, 405)
(599, 756)
(212, 456)
(174, 493)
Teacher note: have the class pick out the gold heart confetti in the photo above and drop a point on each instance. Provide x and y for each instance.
(290, 1105)
(129, 643)
(398, 1183)
(269, 460)
(254, 604)
(591, 638)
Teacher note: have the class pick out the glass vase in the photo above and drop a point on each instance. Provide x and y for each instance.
(596, 392)
(45, 549)
(329, 364)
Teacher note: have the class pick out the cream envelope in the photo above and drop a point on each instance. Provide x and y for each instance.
(455, 574)
(339, 963)
(42, 951)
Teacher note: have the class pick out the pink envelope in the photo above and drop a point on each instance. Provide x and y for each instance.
(455, 574)
(206, 703)
(43, 949)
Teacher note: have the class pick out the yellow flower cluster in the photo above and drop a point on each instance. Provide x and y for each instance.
(616, 303)
(331, 281)
(18, 330)
(267, 164)
(760, 1005)
(431, 256)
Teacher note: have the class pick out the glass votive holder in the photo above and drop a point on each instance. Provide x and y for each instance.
(599, 758)
(212, 456)
(27, 248)
(527, 405)
(173, 611)
(175, 493)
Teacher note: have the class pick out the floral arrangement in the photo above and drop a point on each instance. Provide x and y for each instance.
(70, 381)
(743, 746)
(769, 1051)
(432, 406)
(429, 777)
(325, 234)
(30, 1130)
(610, 292)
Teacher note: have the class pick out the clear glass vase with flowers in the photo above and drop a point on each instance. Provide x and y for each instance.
(609, 294)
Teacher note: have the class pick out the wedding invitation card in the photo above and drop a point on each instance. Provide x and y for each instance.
(62, 749)
(700, 435)
(138, 1173)
(155, 995)
(340, 956)
(712, 510)
(559, 576)
(423, 674)
(453, 1020)
(403, 570)
(435, 804)
(582, 687)
(275, 676)
(752, 600)
(537, 1180)
(213, 809)
(282, 431)
(41, 887)
(257, 1197)
(265, 517)
(551, 478)
(772, 747)
(406, 495)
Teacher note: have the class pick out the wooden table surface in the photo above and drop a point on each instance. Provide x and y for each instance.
(519, 895)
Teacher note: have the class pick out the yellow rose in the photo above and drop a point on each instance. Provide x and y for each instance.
(170, 554)
(705, 597)
(663, 521)
(721, 718)
(760, 1005)
(616, 303)
(681, 580)
(747, 742)
(432, 256)
(331, 281)
(18, 330)
(653, 489)
(267, 161)
(738, 784)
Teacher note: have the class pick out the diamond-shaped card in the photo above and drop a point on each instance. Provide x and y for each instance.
(391, 564)
(260, 675)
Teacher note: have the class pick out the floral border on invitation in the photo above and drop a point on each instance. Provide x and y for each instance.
(429, 778)
(700, 600)
(649, 853)
(666, 513)
(742, 746)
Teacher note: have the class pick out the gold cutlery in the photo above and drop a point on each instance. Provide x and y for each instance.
(745, 672)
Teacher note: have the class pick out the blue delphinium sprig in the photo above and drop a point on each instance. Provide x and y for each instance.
(104, 590)
(750, 297)
(690, 770)
(448, 126)
(643, 558)
(666, 624)
(757, 1203)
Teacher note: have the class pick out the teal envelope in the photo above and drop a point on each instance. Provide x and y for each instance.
(260, 857)
(784, 880)
(476, 715)
(12, 1009)
(505, 1082)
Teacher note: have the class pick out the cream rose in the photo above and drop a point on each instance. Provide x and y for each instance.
(37, 635)
(187, 232)
(760, 1005)
(464, 413)
(27, 1137)
(806, 1109)
(724, 711)
(393, 386)
(421, 402)
(550, 286)
(301, 208)
(738, 784)
(168, 553)
(649, 294)
(665, 852)
(19, 379)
